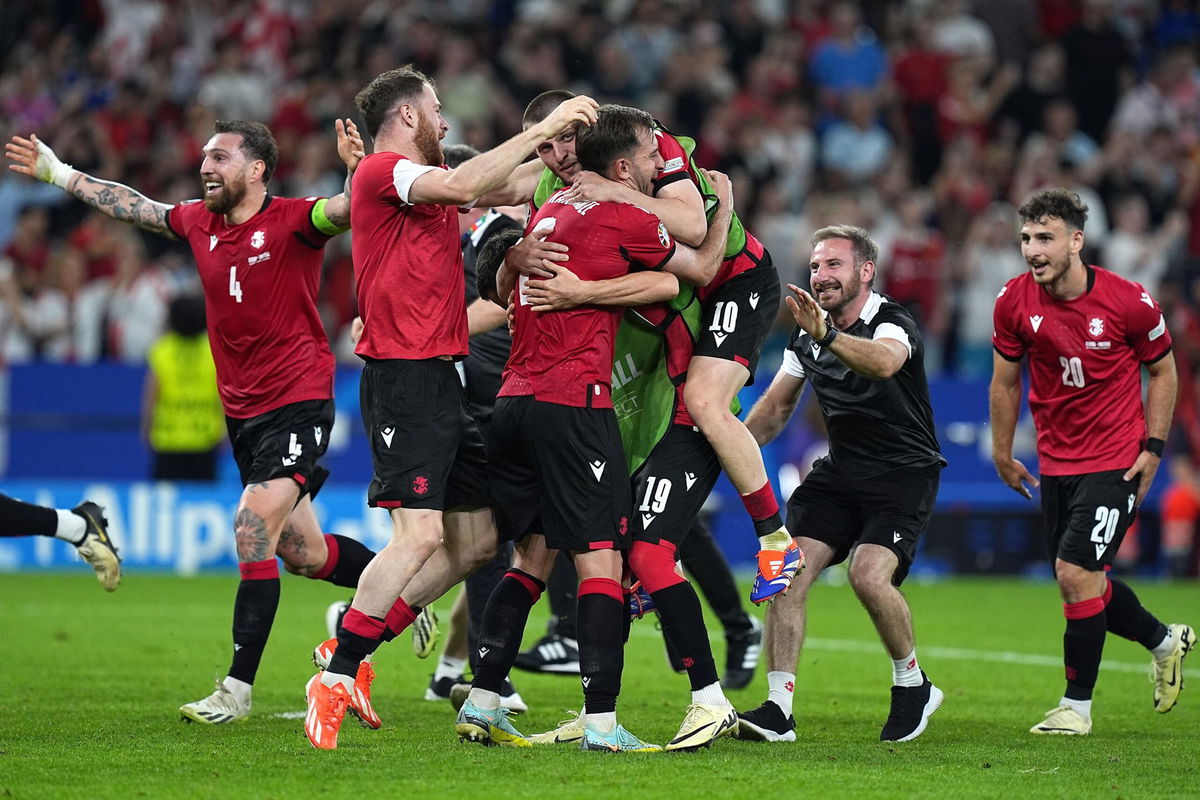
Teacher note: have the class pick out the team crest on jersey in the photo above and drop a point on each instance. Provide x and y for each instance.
(664, 238)
(258, 239)
(1096, 327)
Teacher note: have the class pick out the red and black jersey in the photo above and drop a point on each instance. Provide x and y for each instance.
(408, 265)
(260, 281)
(566, 357)
(1085, 358)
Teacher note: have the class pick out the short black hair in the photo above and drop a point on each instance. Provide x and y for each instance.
(540, 107)
(257, 142)
(615, 134)
(455, 155)
(378, 98)
(488, 261)
(185, 315)
(1058, 202)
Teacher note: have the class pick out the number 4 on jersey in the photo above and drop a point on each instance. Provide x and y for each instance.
(235, 286)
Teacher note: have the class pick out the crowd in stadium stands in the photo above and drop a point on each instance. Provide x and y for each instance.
(925, 121)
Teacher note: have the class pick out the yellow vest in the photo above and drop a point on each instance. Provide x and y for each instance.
(187, 415)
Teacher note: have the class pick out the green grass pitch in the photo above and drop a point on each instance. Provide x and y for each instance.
(92, 682)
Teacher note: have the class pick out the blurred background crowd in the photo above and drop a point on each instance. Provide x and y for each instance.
(926, 121)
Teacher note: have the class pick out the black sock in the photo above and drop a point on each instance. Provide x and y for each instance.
(601, 655)
(561, 589)
(710, 572)
(352, 558)
(683, 624)
(253, 615)
(25, 519)
(1083, 646)
(1128, 618)
(355, 645)
(479, 586)
(503, 625)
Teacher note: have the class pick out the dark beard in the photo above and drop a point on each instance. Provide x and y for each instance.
(231, 195)
(428, 144)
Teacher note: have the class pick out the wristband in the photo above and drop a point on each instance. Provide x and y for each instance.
(1155, 446)
(830, 334)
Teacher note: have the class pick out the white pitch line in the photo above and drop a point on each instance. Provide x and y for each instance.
(932, 651)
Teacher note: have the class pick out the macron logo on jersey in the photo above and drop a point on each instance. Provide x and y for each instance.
(754, 299)
(1036, 322)
(690, 479)
(212, 242)
(1145, 298)
(387, 434)
(597, 468)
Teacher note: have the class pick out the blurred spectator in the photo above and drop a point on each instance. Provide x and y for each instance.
(1180, 509)
(1099, 66)
(1169, 99)
(920, 74)
(29, 250)
(915, 275)
(851, 59)
(1136, 251)
(962, 35)
(857, 148)
(183, 423)
(1044, 82)
(16, 339)
(1013, 25)
(65, 318)
(990, 258)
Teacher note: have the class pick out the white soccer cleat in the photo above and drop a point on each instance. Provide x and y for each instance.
(219, 708)
(1064, 721)
(510, 698)
(96, 548)
(1167, 673)
(569, 731)
(702, 725)
(333, 616)
(425, 633)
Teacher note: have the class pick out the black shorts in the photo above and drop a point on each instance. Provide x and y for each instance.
(842, 511)
(738, 316)
(559, 471)
(425, 447)
(672, 485)
(1086, 516)
(285, 442)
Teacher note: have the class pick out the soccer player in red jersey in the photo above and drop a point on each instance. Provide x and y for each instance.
(426, 450)
(259, 258)
(740, 297)
(1085, 333)
(558, 470)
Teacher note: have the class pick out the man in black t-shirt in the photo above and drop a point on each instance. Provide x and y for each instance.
(873, 494)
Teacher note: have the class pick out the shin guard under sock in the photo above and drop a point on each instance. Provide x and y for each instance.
(253, 614)
(601, 654)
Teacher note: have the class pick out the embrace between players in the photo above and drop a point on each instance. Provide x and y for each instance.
(640, 226)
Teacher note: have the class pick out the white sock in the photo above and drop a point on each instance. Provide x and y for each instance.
(449, 667)
(710, 695)
(1164, 648)
(602, 722)
(240, 689)
(331, 679)
(1084, 707)
(71, 527)
(779, 540)
(906, 671)
(780, 688)
(481, 698)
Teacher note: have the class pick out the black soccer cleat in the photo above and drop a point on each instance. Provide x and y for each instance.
(742, 649)
(765, 724)
(912, 706)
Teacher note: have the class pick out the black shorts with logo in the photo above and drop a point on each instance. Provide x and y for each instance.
(559, 471)
(671, 487)
(737, 317)
(285, 442)
(891, 509)
(425, 447)
(1086, 516)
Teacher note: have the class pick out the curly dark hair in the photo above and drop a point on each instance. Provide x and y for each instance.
(1060, 203)
(488, 261)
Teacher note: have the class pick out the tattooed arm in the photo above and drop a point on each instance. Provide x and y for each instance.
(35, 159)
